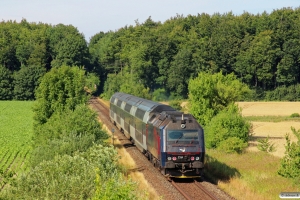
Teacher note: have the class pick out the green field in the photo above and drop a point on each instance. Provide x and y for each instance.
(16, 128)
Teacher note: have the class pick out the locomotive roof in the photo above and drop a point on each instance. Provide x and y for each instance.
(143, 104)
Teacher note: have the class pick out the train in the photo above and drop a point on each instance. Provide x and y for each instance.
(171, 140)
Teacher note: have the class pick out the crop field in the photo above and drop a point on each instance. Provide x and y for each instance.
(16, 128)
(255, 172)
(271, 119)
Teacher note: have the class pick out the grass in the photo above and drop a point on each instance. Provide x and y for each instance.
(271, 118)
(146, 190)
(16, 119)
(252, 175)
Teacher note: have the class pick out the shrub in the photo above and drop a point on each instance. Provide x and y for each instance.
(232, 144)
(175, 104)
(266, 145)
(66, 133)
(294, 115)
(229, 123)
(82, 176)
(290, 163)
(159, 94)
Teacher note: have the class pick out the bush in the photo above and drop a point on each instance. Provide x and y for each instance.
(283, 93)
(232, 144)
(159, 94)
(82, 176)
(290, 163)
(265, 145)
(294, 115)
(176, 104)
(228, 130)
(66, 133)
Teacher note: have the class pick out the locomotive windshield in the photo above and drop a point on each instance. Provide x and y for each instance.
(183, 137)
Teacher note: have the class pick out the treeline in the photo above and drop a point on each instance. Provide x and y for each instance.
(262, 50)
(157, 58)
(29, 50)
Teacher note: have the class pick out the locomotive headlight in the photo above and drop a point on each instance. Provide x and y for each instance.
(169, 158)
(197, 158)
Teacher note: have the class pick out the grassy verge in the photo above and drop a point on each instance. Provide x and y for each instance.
(252, 175)
(271, 118)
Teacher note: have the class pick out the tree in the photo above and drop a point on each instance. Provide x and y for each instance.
(61, 88)
(6, 83)
(211, 93)
(26, 81)
(67, 46)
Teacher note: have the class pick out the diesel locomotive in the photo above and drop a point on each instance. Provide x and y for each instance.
(172, 141)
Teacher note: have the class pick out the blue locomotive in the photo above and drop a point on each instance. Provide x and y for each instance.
(172, 141)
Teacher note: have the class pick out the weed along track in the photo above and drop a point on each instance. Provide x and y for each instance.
(163, 187)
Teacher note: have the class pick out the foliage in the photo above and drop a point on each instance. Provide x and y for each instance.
(283, 93)
(159, 95)
(259, 49)
(67, 46)
(6, 83)
(92, 83)
(16, 133)
(73, 177)
(290, 164)
(265, 145)
(228, 130)
(60, 88)
(66, 133)
(24, 45)
(211, 93)
(232, 145)
(295, 115)
(26, 81)
(124, 82)
(175, 104)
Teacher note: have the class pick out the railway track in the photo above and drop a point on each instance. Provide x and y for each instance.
(176, 189)
(192, 189)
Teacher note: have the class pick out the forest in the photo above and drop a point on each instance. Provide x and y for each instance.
(226, 57)
(156, 60)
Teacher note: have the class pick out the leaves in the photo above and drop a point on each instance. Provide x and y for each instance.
(209, 94)
(61, 88)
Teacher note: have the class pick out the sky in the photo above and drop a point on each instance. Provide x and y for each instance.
(92, 16)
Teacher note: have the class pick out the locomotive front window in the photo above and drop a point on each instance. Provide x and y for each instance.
(186, 136)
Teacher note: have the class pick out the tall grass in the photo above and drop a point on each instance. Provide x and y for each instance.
(251, 175)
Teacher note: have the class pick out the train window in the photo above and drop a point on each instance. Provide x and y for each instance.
(140, 113)
(119, 103)
(182, 136)
(174, 135)
(128, 107)
(112, 100)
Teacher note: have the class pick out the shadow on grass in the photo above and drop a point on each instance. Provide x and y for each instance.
(217, 171)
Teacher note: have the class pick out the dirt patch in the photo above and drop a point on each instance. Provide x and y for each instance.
(275, 131)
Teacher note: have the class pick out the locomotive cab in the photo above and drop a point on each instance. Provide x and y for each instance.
(183, 151)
